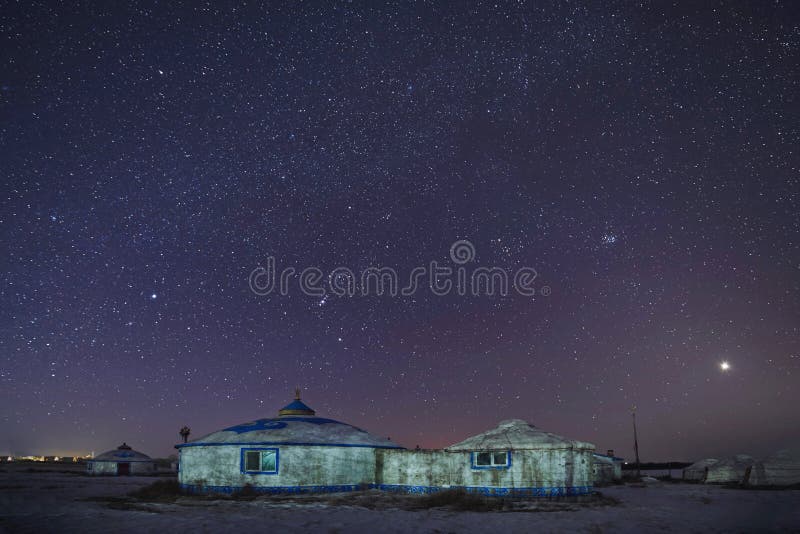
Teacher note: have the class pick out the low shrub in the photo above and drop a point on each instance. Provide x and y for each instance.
(461, 500)
(160, 490)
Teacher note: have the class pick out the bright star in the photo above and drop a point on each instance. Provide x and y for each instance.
(724, 366)
(608, 239)
(153, 296)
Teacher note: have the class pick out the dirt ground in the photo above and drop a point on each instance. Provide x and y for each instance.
(62, 499)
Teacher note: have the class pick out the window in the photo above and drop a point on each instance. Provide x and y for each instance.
(263, 461)
(484, 458)
(491, 460)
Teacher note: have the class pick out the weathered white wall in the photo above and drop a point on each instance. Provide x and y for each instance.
(618, 470)
(101, 468)
(220, 466)
(544, 468)
(110, 468)
(603, 471)
(398, 467)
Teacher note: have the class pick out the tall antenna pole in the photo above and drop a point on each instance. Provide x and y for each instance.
(636, 444)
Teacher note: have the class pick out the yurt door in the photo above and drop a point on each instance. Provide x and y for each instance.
(123, 469)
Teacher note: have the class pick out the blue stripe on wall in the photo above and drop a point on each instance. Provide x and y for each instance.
(489, 491)
(190, 488)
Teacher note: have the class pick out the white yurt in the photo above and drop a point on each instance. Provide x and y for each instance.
(121, 461)
(730, 470)
(292, 453)
(524, 460)
(779, 469)
(606, 469)
(697, 471)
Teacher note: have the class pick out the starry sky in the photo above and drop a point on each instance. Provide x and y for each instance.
(642, 158)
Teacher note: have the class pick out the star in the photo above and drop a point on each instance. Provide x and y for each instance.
(608, 239)
(662, 219)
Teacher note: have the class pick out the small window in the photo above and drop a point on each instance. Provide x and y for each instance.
(268, 462)
(499, 458)
(264, 461)
(253, 462)
(491, 460)
(484, 458)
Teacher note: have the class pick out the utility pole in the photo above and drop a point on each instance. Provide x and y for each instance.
(636, 444)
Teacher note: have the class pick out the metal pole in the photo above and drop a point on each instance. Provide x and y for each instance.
(636, 445)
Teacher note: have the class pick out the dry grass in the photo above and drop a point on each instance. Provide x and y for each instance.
(144, 498)
(459, 500)
(455, 500)
(169, 492)
(158, 491)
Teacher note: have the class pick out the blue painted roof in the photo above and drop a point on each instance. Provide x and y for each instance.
(294, 430)
(297, 404)
(615, 458)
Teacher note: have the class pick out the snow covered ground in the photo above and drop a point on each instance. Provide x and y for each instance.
(47, 501)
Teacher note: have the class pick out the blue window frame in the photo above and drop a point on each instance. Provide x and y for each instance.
(260, 461)
(490, 459)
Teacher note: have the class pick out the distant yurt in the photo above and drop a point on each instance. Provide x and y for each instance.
(121, 461)
(780, 469)
(730, 470)
(606, 469)
(698, 470)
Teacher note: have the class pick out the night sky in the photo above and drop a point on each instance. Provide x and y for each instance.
(643, 159)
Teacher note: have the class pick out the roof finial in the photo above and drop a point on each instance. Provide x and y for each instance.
(296, 407)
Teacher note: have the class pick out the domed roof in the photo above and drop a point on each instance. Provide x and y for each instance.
(700, 465)
(123, 453)
(296, 407)
(516, 434)
(289, 428)
(737, 460)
